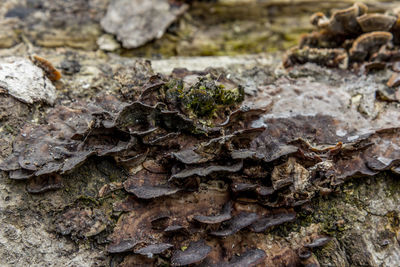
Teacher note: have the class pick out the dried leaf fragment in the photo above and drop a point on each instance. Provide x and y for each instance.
(51, 72)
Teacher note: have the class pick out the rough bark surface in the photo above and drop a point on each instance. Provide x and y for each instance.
(317, 183)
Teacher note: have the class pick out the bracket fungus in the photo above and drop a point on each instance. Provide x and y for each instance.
(194, 253)
(153, 249)
(350, 39)
(318, 242)
(213, 219)
(376, 22)
(271, 220)
(368, 43)
(237, 223)
(217, 174)
(249, 258)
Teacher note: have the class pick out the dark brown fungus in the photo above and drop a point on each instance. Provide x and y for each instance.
(237, 223)
(213, 219)
(318, 242)
(330, 57)
(395, 30)
(369, 67)
(154, 167)
(153, 249)
(174, 228)
(44, 183)
(368, 43)
(194, 253)
(160, 222)
(272, 220)
(345, 21)
(188, 156)
(207, 170)
(20, 174)
(319, 20)
(149, 192)
(122, 246)
(394, 80)
(242, 187)
(264, 191)
(376, 22)
(304, 253)
(249, 258)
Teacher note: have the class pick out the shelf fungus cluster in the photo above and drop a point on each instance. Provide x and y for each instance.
(351, 38)
(200, 174)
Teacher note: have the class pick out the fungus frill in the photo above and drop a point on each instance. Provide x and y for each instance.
(351, 35)
(195, 180)
(376, 22)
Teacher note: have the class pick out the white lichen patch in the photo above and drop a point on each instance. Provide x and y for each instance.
(25, 81)
(135, 22)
